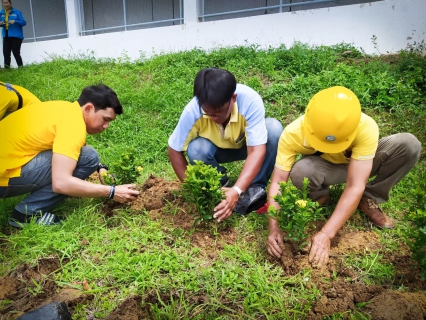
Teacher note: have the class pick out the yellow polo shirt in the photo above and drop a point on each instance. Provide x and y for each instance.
(9, 100)
(293, 142)
(246, 125)
(54, 125)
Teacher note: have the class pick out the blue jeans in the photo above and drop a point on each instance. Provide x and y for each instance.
(204, 150)
(36, 178)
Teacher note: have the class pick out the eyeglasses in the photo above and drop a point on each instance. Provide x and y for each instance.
(216, 115)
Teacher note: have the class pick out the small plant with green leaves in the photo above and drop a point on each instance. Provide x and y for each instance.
(297, 212)
(202, 188)
(416, 235)
(126, 169)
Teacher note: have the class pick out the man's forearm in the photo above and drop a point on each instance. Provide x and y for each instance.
(64, 182)
(246, 177)
(347, 204)
(274, 187)
(76, 187)
(273, 225)
(178, 162)
(252, 165)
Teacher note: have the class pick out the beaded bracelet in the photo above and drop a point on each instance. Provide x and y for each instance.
(111, 192)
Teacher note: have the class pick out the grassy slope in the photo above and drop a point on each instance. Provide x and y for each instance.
(154, 91)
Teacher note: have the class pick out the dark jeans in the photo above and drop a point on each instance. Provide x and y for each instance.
(11, 44)
(36, 179)
(204, 150)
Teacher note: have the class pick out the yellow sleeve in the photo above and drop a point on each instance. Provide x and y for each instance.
(70, 136)
(292, 143)
(285, 155)
(367, 139)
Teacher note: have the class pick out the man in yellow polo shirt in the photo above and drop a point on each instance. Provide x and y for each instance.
(339, 144)
(13, 97)
(225, 122)
(43, 152)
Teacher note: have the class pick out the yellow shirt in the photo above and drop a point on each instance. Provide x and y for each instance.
(55, 125)
(246, 125)
(9, 100)
(293, 142)
(231, 137)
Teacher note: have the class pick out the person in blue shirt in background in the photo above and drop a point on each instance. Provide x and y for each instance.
(11, 21)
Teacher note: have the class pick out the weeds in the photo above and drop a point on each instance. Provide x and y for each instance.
(370, 268)
(38, 287)
(416, 234)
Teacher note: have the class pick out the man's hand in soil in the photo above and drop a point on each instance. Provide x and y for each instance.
(125, 193)
(275, 241)
(320, 249)
(224, 209)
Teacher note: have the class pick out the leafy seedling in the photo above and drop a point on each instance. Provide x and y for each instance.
(125, 170)
(297, 212)
(202, 188)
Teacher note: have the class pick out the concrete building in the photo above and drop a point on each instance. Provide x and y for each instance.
(135, 28)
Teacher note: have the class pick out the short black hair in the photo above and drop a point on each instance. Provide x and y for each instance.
(102, 97)
(214, 87)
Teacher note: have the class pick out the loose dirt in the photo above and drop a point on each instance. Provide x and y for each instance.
(29, 287)
(341, 288)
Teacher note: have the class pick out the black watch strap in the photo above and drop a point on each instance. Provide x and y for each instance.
(101, 166)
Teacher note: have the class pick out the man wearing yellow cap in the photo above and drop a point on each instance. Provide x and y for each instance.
(13, 97)
(339, 144)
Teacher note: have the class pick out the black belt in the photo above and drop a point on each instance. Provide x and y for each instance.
(10, 88)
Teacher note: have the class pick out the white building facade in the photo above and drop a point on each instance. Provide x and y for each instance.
(116, 28)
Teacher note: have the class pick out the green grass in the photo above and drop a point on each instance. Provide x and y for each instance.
(133, 254)
(370, 267)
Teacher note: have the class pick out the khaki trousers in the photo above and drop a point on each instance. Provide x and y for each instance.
(396, 155)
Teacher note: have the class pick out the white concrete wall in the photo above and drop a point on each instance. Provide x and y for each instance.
(396, 24)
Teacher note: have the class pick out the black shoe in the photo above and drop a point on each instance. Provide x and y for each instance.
(252, 199)
(19, 220)
(51, 311)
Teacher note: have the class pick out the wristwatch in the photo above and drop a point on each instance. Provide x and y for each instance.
(101, 166)
(239, 191)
